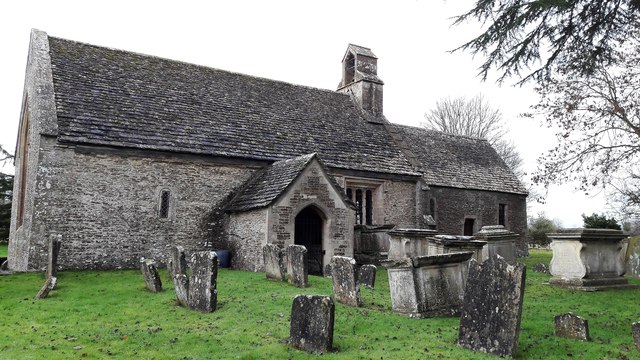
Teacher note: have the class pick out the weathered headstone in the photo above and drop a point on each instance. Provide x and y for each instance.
(49, 285)
(274, 264)
(312, 318)
(203, 292)
(343, 274)
(588, 259)
(500, 241)
(177, 267)
(150, 273)
(633, 257)
(541, 268)
(297, 271)
(571, 326)
(635, 331)
(428, 286)
(490, 320)
(52, 261)
(367, 276)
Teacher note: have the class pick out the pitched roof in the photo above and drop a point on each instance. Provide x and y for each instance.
(270, 183)
(123, 99)
(457, 161)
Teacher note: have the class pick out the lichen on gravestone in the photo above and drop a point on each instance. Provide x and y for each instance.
(274, 262)
(367, 276)
(151, 276)
(49, 285)
(490, 320)
(312, 320)
(177, 267)
(571, 326)
(297, 270)
(343, 275)
(203, 287)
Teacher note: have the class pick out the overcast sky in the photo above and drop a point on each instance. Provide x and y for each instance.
(301, 42)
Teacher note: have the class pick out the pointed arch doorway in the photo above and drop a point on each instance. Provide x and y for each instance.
(309, 226)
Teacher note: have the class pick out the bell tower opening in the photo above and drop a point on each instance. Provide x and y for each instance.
(309, 226)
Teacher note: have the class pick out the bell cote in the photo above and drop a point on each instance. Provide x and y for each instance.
(360, 79)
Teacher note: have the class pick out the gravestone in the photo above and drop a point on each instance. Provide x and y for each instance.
(49, 285)
(312, 318)
(274, 263)
(490, 320)
(367, 276)
(500, 241)
(343, 274)
(588, 259)
(203, 292)
(150, 273)
(177, 267)
(633, 257)
(541, 268)
(297, 271)
(52, 258)
(571, 326)
(635, 331)
(428, 286)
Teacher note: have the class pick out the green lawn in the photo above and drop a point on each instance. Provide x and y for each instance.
(110, 315)
(4, 249)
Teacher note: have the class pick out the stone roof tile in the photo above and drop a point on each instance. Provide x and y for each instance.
(123, 99)
(456, 161)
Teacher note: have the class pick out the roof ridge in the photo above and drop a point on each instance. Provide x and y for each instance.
(442, 132)
(196, 65)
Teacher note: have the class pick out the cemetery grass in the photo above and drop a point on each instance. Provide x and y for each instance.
(109, 314)
(4, 249)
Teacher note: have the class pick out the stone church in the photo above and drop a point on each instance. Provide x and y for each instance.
(123, 155)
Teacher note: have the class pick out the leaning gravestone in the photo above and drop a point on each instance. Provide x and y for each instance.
(343, 273)
(203, 292)
(635, 331)
(490, 320)
(274, 264)
(177, 267)
(312, 318)
(297, 271)
(150, 273)
(52, 261)
(571, 326)
(367, 276)
(49, 285)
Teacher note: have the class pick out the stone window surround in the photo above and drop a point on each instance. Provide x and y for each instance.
(377, 189)
(171, 211)
(502, 213)
(475, 223)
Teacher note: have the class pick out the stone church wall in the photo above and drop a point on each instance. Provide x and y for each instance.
(247, 234)
(453, 205)
(400, 203)
(107, 206)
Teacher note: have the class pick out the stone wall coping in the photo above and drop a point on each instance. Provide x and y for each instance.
(440, 259)
(583, 234)
(426, 260)
(374, 228)
(413, 232)
(494, 232)
(454, 241)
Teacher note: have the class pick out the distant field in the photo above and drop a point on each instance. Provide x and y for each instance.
(109, 314)
(3, 249)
